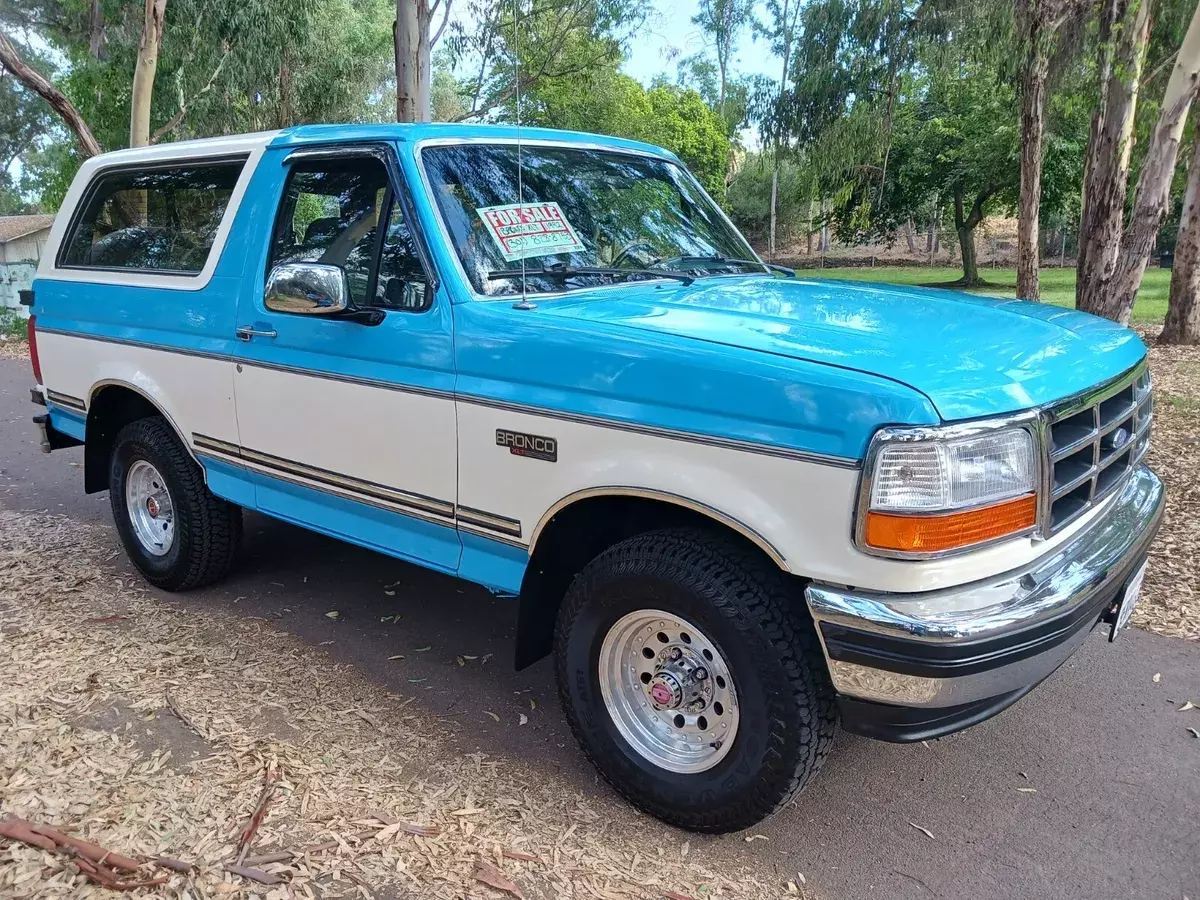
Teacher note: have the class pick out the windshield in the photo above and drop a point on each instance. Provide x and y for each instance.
(583, 209)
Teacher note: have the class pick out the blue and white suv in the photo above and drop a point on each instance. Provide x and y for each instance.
(736, 505)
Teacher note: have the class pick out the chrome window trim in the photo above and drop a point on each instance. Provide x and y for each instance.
(1037, 421)
(448, 242)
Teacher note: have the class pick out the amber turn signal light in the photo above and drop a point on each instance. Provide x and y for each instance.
(928, 534)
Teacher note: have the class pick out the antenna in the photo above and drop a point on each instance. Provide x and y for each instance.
(524, 302)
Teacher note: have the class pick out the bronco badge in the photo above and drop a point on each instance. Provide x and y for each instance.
(532, 445)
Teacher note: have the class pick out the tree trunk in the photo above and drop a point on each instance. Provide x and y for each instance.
(721, 96)
(1124, 30)
(787, 49)
(774, 196)
(1036, 67)
(1153, 192)
(34, 80)
(910, 237)
(808, 249)
(964, 225)
(95, 30)
(1182, 325)
(411, 35)
(143, 74)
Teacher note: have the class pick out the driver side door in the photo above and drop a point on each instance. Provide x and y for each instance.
(349, 428)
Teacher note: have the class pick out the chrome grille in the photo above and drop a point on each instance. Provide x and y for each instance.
(1094, 443)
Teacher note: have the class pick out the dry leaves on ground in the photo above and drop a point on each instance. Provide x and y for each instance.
(1171, 596)
(14, 349)
(155, 731)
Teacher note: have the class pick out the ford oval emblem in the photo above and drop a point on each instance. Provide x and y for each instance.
(1120, 437)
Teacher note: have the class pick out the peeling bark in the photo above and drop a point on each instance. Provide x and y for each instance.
(1038, 37)
(34, 80)
(1182, 325)
(413, 73)
(143, 74)
(1153, 192)
(1124, 30)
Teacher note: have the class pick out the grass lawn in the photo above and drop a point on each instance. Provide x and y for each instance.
(1058, 285)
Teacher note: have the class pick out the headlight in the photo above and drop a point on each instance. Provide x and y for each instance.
(931, 490)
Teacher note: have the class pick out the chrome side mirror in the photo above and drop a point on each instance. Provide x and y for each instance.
(312, 289)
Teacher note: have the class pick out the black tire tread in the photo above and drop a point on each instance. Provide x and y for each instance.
(210, 528)
(747, 588)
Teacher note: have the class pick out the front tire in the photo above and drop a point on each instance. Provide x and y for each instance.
(670, 641)
(177, 532)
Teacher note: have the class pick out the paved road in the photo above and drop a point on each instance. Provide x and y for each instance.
(1116, 807)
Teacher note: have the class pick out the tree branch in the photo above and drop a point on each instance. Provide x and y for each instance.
(34, 80)
(176, 120)
(437, 35)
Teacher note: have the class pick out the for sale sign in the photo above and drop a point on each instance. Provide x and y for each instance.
(522, 230)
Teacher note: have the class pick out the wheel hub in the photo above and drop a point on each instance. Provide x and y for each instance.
(668, 691)
(151, 511)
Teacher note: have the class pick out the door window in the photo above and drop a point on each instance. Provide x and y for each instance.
(330, 213)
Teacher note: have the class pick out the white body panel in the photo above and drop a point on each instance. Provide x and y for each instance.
(250, 145)
(799, 512)
(393, 438)
(195, 393)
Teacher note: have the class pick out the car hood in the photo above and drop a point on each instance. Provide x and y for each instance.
(971, 356)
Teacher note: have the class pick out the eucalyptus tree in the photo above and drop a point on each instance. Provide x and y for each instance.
(723, 22)
(510, 46)
(1115, 247)
(1039, 25)
(1182, 325)
(417, 32)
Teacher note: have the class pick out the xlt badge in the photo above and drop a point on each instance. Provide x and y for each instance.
(531, 445)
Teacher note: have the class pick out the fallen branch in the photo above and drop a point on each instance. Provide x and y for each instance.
(175, 865)
(181, 716)
(20, 830)
(92, 852)
(106, 877)
(265, 858)
(254, 874)
(260, 810)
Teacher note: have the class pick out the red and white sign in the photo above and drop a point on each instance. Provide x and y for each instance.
(522, 230)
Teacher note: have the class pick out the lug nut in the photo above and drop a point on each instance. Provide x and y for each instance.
(700, 674)
(675, 655)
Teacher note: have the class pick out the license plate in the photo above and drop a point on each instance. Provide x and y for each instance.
(1133, 593)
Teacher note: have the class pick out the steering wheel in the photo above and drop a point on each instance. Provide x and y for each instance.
(629, 248)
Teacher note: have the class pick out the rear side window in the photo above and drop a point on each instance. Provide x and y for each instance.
(161, 219)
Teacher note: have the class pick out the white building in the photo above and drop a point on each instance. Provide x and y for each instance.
(21, 241)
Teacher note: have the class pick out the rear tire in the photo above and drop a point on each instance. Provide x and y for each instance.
(749, 621)
(177, 532)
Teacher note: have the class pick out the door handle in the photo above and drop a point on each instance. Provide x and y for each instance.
(249, 331)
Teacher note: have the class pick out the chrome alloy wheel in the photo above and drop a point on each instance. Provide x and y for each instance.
(668, 691)
(151, 512)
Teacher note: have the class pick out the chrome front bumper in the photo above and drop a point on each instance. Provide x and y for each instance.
(953, 657)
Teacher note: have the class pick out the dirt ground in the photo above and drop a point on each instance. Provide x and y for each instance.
(154, 731)
(1171, 599)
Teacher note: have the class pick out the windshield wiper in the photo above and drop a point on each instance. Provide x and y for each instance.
(562, 273)
(730, 261)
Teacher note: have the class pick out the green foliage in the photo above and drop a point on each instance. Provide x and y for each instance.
(748, 199)
(557, 46)
(223, 68)
(605, 101)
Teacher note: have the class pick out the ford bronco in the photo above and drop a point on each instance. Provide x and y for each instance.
(737, 505)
